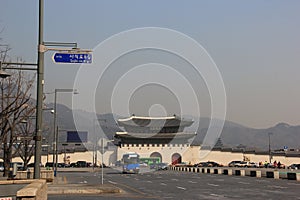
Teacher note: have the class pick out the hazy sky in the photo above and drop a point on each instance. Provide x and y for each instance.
(255, 45)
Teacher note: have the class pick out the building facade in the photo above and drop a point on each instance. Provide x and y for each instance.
(160, 137)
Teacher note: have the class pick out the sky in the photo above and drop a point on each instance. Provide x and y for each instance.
(254, 44)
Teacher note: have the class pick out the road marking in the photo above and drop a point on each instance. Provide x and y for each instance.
(277, 186)
(136, 179)
(192, 182)
(182, 188)
(245, 183)
(260, 180)
(163, 184)
(212, 184)
(293, 184)
(149, 181)
(174, 179)
(112, 182)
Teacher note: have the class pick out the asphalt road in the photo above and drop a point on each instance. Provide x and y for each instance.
(184, 185)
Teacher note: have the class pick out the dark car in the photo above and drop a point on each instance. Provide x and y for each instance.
(162, 166)
(49, 164)
(209, 164)
(73, 165)
(30, 165)
(81, 164)
(201, 164)
(294, 166)
(1, 166)
(213, 164)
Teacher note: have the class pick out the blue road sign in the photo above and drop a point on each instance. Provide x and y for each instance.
(72, 58)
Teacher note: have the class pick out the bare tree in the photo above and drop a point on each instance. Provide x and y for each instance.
(24, 146)
(15, 105)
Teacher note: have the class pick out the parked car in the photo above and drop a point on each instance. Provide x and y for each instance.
(81, 164)
(1, 166)
(49, 164)
(214, 164)
(162, 166)
(201, 164)
(252, 164)
(208, 164)
(30, 165)
(234, 163)
(73, 164)
(294, 166)
(61, 165)
(242, 164)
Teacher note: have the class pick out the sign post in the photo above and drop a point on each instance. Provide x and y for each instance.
(72, 58)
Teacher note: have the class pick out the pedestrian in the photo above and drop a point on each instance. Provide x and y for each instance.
(279, 164)
(266, 164)
(275, 164)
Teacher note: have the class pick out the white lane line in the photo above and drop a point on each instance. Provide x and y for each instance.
(192, 182)
(212, 184)
(112, 182)
(163, 184)
(245, 183)
(182, 188)
(149, 181)
(174, 179)
(277, 186)
(136, 179)
(215, 195)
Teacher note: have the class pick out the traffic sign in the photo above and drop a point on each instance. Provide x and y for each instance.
(72, 58)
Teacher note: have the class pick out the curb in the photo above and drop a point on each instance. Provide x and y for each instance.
(82, 189)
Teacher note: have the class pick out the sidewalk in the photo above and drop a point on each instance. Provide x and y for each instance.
(61, 186)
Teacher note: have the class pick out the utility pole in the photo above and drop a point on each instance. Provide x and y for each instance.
(40, 85)
(270, 153)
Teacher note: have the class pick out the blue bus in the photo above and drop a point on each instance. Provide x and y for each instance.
(131, 163)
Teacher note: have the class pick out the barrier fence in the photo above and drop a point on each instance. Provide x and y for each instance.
(252, 172)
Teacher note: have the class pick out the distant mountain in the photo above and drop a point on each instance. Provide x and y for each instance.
(232, 135)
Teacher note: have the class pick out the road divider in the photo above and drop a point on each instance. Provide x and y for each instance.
(252, 172)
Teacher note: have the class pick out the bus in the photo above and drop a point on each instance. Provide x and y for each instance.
(131, 163)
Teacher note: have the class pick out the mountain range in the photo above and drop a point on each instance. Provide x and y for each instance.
(232, 135)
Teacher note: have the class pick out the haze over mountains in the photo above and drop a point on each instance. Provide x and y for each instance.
(232, 135)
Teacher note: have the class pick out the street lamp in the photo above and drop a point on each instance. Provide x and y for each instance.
(55, 131)
(4, 74)
(270, 153)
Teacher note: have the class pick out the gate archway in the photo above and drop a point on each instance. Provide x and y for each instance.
(176, 158)
(156, 155)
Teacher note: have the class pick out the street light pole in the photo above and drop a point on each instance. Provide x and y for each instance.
(55, 127)
(40, 84)
(270, 156)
